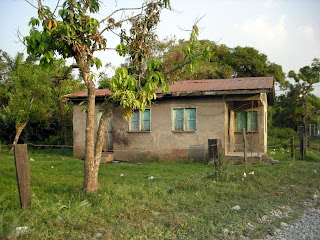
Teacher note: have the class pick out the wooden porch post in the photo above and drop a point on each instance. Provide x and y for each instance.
(244, 145)
(232, 128)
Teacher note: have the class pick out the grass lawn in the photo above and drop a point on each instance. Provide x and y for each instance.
(183, 201)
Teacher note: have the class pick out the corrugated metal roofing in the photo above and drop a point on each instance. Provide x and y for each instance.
(249, 83)
(82, 94)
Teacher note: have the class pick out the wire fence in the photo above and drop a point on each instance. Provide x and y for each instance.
(284, 147)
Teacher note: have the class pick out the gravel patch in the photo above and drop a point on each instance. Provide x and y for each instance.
(307, 227)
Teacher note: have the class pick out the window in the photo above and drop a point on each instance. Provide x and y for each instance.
(140, 121)
(183, 119)
(247, 120)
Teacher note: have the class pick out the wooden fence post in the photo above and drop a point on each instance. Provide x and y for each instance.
(302, 136)
(214, 151)
(244, 145)
(292, 147)
(23, 174)
(214, 148)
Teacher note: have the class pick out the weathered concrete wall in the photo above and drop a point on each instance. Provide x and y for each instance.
(79, 128)
(161, 141)
(212, 114)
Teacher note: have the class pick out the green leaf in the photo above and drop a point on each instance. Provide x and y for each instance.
(196, 30)
(34, 22)
(97, 62)
(51, 53)
(186, 50)
(91, 76)
(121, 49)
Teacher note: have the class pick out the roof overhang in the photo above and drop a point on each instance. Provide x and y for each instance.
(207, 87)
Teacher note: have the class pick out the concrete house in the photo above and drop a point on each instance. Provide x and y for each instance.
(179, 124)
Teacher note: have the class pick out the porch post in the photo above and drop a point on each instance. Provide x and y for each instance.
(231, 128)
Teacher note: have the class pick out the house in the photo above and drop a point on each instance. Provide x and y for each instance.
(179, 124)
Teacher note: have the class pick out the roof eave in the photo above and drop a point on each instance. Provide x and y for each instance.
(214, 93)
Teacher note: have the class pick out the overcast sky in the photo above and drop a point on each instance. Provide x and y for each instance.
(287, 31)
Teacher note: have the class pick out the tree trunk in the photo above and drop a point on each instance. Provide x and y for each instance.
(90, 183)
(90, 168)
(19, 129)
(108, 112)
(92, 176)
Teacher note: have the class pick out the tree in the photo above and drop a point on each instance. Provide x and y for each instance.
(298, 105)
(3, 77)
(249, 62)
(8, 82)
(74, 33)
(172, 52)
(224, 63)
(56, 126)
(5, 124)
(61, 83)
(29, 97)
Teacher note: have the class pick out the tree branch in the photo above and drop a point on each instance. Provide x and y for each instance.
(121, 21)
(145, 26)
(85, 7)
(182, 65)
(19, 35)
(72, 3)
(56, 7)
(31, 4)
(118, 10)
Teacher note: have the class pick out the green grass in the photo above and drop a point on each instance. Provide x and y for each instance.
(279, 146)
(183, 201)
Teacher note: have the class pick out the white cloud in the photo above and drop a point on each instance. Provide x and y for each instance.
(270, 3)
(309, 40)
(263, 33)
(308, 32)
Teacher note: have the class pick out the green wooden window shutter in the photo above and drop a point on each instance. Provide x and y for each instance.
(241, 121)
(178, 119)
(135, 121)
(190, 114)
(145, 125)
(252, 121)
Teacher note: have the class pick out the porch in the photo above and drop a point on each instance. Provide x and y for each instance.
(238, 157)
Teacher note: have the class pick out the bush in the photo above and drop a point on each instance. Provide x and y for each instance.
(282, 133)
(52, 140)
(280, 137)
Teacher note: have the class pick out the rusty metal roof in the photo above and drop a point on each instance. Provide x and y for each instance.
(229, 84)
(250, 83)
(83, 94)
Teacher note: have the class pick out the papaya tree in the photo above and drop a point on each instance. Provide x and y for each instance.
(72, 32)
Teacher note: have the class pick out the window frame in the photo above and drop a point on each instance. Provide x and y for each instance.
(184, 120)
(140, 121)
(246, 121)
